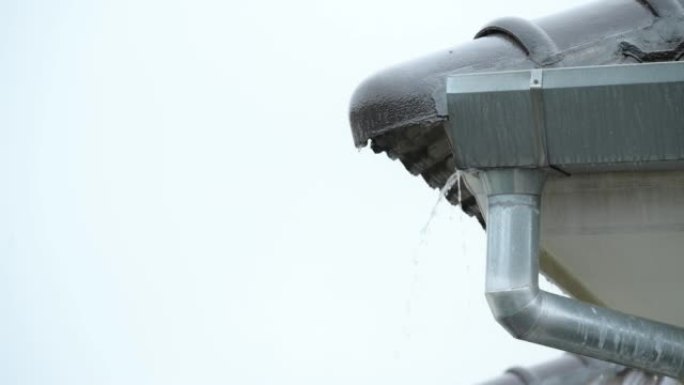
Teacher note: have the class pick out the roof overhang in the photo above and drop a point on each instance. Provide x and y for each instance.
(403, 111)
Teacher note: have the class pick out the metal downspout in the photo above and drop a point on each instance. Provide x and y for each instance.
(531, 314)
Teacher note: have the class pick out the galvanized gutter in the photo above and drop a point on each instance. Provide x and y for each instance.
(577, 119)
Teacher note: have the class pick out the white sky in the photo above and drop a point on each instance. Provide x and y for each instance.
(181, 201)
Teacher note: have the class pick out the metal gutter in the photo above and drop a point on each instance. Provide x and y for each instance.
(579, 119)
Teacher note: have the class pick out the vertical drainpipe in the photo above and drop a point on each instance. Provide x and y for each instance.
(530, 314)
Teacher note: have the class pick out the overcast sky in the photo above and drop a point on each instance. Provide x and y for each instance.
(181, 201)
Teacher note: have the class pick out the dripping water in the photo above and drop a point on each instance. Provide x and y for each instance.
(453, 180)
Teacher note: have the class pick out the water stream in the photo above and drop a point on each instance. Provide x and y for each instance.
(454, 179)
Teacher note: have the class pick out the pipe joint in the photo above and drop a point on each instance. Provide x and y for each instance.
(513, 181)
(516, 310)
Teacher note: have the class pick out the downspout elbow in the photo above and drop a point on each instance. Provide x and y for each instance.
(528, 313)
(517, 310)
